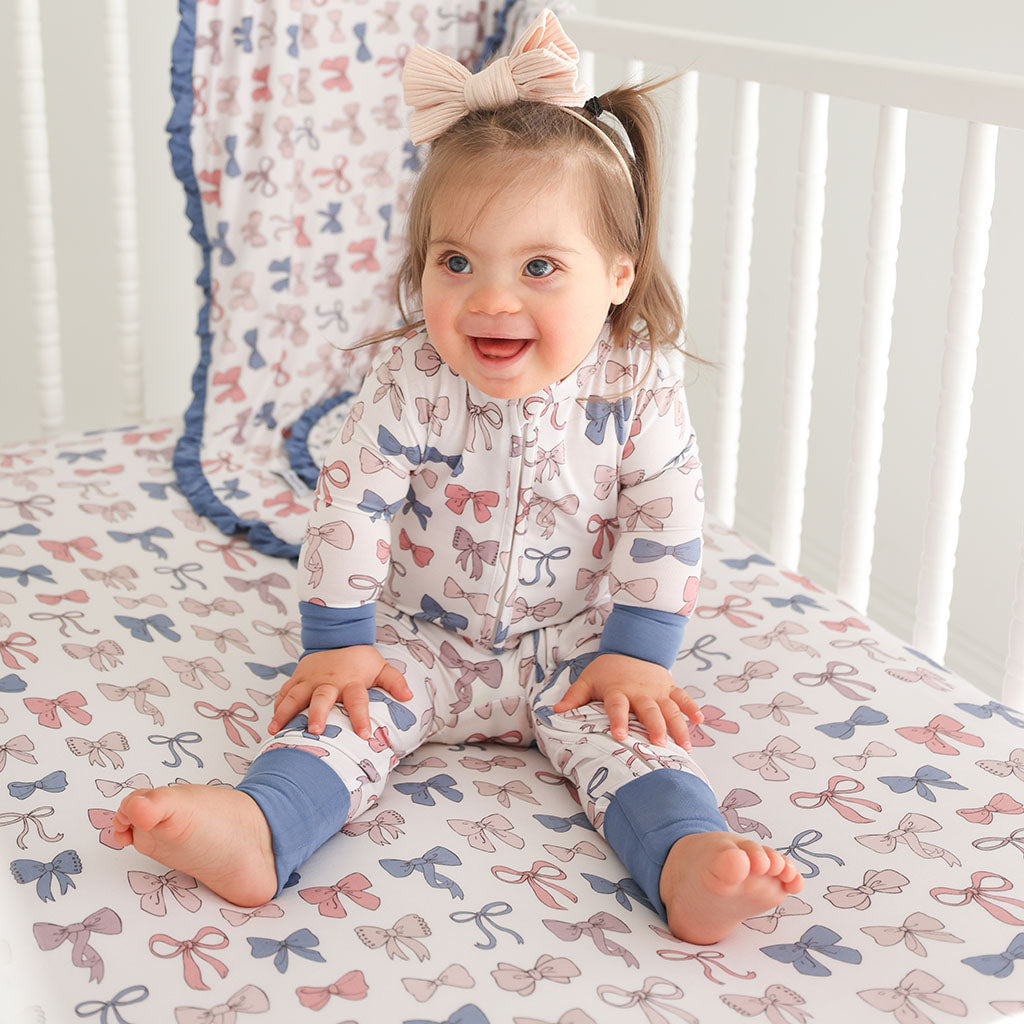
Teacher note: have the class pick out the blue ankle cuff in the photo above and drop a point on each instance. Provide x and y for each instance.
(647, 815)
(304, 802)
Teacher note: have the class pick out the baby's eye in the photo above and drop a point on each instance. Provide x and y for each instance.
(457, 264)
(540, 268)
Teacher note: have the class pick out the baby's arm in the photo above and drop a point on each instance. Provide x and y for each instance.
(627, 684)
(323, 678)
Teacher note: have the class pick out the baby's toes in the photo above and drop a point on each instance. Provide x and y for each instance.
(758, 854)
(776, 862)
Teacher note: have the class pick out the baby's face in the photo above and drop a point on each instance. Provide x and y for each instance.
(514, 291)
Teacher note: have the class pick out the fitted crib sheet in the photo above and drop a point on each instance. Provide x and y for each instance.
(141, 646)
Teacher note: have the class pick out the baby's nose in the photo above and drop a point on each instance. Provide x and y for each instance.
(492, 298)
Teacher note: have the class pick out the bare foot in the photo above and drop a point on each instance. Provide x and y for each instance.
(214, 833)
(713, 880)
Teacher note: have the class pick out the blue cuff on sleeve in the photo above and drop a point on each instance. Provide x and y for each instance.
(304, 802)
(647, 815)
(644, 633)
(324, 629)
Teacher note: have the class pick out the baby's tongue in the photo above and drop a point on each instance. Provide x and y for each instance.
(501, 347)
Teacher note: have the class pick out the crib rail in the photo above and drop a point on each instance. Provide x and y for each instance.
(984, 102)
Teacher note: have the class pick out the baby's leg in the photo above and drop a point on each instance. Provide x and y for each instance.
(244, 843)
(660, 816)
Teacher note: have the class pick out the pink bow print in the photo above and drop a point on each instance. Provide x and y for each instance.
(1001, 803)
(931, 735)
(327, 897)
(422, 989)
(838, 798)
(915, 927)
(349, 986)
(71, 703)
(249, 999)
(185, 948)
(524, 979)
(977, 890)
(151, 888)
(860, 898)
(103, 921)
(917, 985)
(779, 1004)
(541, 874)
(651, 999)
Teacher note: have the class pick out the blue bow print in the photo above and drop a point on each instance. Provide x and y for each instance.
(172, 747)
(544, 560)
(557, 824)
(625, 889)
(598, 410)
(281, 267)
(243, 35)
(231, 490)
(419, 510)
(145, 538)
(126, 997)
(483, 917)
(390, 445)
(64, 864)
(644, 550)
(377, 506)
(181, 574)
(227, 257)
(425, 864)
(12, 683)
(271, 671)
(817, 939)
(362, 53)
(993, 707)
(266, 416)
(447, 620)
(55, 782)
(251, 338)
(384, 212)
(72, 457)
(412, 160)
(402, 717)
(139, 628)
(862, 716)
(745, 563)
(158, 491)
(34, 572)
(926, 776)
(468, 1014)
(420, 791)
(231, 168)
(1000, 965)
(332, 225)
(22, 530)
(299, 943)
(300, 723)
(798, 848)
(796, 603)
(293, 35)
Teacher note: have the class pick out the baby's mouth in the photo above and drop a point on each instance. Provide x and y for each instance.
(499, 349)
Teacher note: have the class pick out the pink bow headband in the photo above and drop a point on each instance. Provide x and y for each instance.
(541, 67)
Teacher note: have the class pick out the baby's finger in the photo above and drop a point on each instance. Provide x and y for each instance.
(288, 706)
(675, 720)
(650, 714)
(616, 707)
(687, 705)
(576, 696)
(390, 679)
(357, 704)
(323, 698)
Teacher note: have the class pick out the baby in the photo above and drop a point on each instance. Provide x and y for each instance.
(506, 537)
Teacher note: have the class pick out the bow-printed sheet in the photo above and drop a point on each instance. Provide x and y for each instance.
(141, 646)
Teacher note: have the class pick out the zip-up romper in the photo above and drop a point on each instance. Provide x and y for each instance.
(491, 549)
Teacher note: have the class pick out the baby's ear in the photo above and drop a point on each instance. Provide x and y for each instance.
(623, 274)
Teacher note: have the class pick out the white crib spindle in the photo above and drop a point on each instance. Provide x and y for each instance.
(1013, 675)
(787, 523)
(42, 258)
(739, 234)
(858, 540)
(959, 361)
(125, 226)
(684, 169)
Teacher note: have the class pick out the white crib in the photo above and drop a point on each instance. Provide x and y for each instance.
(755, 329)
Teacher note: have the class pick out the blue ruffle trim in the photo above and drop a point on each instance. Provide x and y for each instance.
(297, 441)
(187, 452)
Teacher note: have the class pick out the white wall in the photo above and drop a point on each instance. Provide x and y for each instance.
(985, 34)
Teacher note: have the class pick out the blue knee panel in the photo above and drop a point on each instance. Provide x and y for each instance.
(304, 802)
(647, 816)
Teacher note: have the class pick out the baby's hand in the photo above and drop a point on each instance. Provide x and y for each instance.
(324, 678)
(627, 684)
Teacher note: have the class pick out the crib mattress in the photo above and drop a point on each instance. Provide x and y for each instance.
(142, 647)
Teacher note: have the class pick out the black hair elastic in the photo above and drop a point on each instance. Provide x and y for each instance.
(593, 107)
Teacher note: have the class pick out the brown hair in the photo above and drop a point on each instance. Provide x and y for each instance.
(623, 216)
